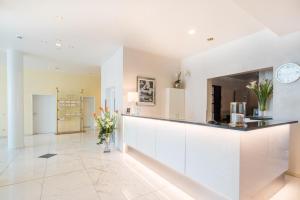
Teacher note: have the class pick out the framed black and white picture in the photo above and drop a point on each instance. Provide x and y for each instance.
(146, 91)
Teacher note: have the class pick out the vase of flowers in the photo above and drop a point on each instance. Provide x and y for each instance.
(263, 92)
(178, 82)
(106, 122)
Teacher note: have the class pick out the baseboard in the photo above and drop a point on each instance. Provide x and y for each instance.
(270, 190)
(293, 174)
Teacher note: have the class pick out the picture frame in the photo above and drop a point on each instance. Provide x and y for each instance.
(146, 88)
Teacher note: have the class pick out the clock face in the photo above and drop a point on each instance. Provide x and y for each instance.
(288, 73)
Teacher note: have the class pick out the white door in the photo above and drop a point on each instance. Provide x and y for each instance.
(44, 114)
(88, 110)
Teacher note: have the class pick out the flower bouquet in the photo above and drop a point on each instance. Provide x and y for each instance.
(106, 122)
(263, 92)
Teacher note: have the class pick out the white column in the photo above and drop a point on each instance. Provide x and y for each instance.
(15, 102)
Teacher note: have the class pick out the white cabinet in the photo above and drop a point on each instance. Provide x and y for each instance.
(232, 163)
(175, 103)
(212, 158)
(130, 131)
(146, 136)
(170, 145)
(140, 134)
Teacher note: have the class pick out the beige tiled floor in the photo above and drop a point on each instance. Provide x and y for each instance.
(81, 171)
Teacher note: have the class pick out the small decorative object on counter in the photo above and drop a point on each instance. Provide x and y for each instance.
(178, 82)
(132, 98)
(237, 114)
(106, 122)
(263, 92)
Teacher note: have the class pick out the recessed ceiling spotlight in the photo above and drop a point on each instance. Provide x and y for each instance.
(210, 39)
(19, 36)
(60, 18)
(44, 41)
(192, 31)
(58, 44)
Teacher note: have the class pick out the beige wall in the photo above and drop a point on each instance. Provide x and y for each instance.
(44, 82)
(163, 69)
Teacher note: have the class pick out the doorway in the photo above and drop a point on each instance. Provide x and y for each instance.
(217, 99)
(88, 110)
(44, 114)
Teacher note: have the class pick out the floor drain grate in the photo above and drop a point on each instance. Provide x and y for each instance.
(48, 155)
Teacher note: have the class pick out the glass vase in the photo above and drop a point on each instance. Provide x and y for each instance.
(107, 145)
(262, 109)
(262, 113)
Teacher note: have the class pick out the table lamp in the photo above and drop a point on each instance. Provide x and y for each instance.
(132, 98)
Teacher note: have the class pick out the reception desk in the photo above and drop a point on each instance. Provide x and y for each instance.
(236, 163)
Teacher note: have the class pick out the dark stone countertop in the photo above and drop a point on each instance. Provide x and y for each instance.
(249, 126)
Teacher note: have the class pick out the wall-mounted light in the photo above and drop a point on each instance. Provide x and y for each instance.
(192, 32)
(58, 44)
(187, 73)
(19, 36)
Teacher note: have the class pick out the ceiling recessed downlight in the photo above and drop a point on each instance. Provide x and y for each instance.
(192, 32)
(19, 36)
(58, 44)
(60, 18)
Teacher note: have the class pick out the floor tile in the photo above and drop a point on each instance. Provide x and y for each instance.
(69, 186)
(24, 191)
(23, 170)
(62, 164)
(81, 171)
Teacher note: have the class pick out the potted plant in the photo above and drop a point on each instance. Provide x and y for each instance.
(106, 122)
(263, 92)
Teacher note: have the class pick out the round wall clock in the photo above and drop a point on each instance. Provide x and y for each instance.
(288, 73)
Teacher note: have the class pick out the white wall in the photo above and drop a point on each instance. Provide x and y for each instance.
(112, 77)
(3, 98)
(260, 50)
(163, 69)
(120, 71)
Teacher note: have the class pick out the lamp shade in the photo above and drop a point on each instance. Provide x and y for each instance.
(132, 97)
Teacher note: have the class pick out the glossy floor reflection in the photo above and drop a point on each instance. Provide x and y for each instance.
(80, 171)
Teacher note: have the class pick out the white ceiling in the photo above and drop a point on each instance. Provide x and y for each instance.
(280, 16)
(91, 30)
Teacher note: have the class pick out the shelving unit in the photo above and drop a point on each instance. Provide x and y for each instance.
(69, 112)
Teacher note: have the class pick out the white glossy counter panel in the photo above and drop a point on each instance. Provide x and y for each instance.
(232, 163)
